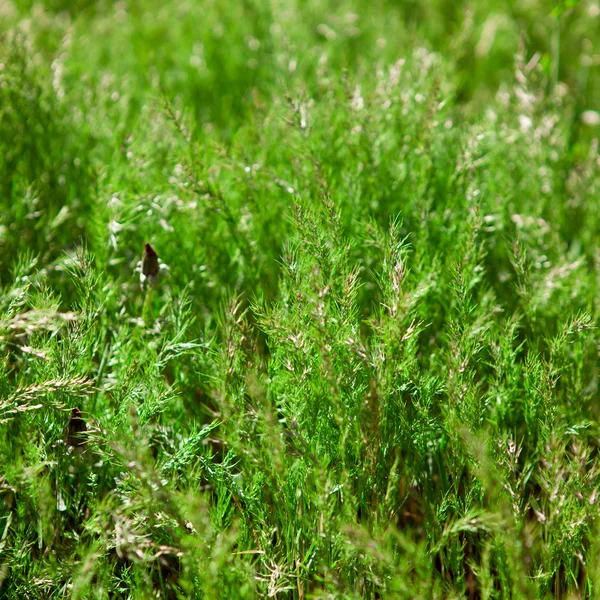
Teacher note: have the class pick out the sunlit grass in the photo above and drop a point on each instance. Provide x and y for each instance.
(368, 366)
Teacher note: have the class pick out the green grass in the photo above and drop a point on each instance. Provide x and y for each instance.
(370, 365)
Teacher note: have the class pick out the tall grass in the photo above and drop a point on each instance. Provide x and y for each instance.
(369, 366)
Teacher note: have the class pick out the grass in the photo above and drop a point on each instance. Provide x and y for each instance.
(369, 366)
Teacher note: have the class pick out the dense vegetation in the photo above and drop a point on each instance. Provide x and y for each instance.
(369, 366)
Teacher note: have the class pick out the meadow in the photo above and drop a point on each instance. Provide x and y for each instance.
(369, 364)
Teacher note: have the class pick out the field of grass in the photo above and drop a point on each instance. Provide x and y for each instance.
(369, 366)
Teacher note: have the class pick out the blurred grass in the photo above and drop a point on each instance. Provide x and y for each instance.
(370, 366)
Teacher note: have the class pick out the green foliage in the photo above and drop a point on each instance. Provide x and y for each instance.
(369, 365)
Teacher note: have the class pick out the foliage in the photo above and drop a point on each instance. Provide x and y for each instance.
(369, 366)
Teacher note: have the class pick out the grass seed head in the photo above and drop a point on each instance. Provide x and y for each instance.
(150, 265)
